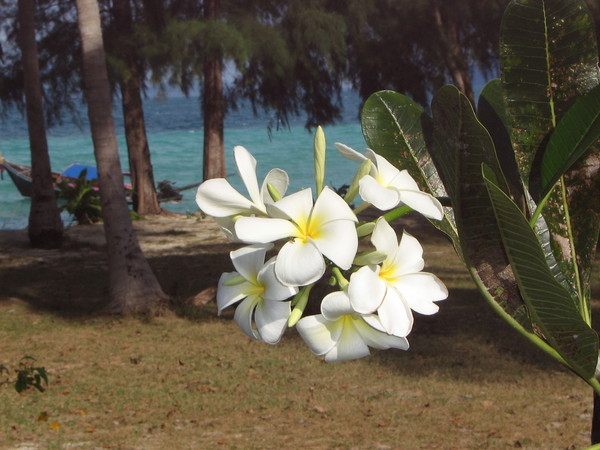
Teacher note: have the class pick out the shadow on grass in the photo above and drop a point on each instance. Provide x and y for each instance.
(467, 340)
(78, 286)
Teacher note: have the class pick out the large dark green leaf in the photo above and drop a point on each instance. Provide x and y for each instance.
(575, 134)
(460, 145)
(548, 57)
(492, 114)
(397, 128)
(549, 304)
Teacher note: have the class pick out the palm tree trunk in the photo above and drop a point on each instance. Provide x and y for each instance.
(145, 199)
(45, 228)
(213, 106)
(132, 285)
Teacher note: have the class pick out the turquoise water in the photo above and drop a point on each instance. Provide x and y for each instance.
(175, 137)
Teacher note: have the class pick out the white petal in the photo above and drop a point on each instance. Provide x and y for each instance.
(335, 305)
(350, 344)
(217, 198)
(384, 237)
(271, 320)
(299, 263)
(227, 225)
(246, 165)
(408, 258)
(395, 315)
(338, 241)
(243, 316)
(228, 295)
(366, 290)
(404, 181)
(279, 179)
(330, 206)
(318, 333)
(296, 206)
(420, 290)
(274, 290)
(263, 229)
(378, 339)
(386, 171)
(381, 197)
(423, 203)
(248, 261)
(349, 152)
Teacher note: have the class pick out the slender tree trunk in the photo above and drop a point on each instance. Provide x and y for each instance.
(132, 285)
(145, 199)
(45, 228)
(213, 106)
(596, 420)
(453, 54)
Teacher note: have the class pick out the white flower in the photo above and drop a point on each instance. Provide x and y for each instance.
(216, 197)
(386, 187)
(326, 228)
(398, 285)
(263, 294)
(340, 333)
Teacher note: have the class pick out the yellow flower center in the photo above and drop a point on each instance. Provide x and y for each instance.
(387, 272)
(308, 228)
(255, 289)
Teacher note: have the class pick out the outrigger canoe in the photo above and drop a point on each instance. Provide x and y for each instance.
(21, 175)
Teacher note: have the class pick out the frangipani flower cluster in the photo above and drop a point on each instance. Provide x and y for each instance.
(373, 294)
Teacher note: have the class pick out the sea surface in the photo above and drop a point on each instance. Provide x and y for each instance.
(175, 136)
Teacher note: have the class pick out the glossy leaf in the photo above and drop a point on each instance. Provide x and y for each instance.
(574, 135)
(549, 304)
(397, 128)
(492, 114)
(460, 145)
(548, 57)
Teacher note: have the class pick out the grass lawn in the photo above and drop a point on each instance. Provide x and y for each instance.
(193, 380)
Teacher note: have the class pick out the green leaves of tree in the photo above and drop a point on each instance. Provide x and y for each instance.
(574, 135)
(397, 128)
(532, 138)
(549, 303)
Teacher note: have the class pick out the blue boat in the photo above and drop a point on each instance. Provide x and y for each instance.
(21, 175)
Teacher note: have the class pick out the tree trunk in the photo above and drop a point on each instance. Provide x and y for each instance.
(453, 54)
(45, 228)
(132, 285)
(145, 199)
(213, 106)
(596, 420)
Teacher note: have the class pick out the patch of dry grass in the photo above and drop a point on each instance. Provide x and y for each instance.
(468, 381)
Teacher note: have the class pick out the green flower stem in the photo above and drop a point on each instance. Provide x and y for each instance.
(341, 280)
(299, 301)
(398, 212)
(360, 208)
